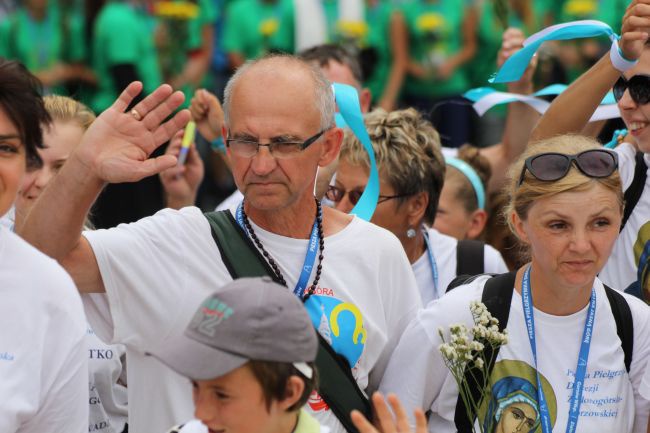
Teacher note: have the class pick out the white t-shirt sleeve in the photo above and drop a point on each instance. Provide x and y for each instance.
(144, 267)
(493, 262)
(43, 353)
(639, 376)
(418, 354)
(626, 163)
(402, 302)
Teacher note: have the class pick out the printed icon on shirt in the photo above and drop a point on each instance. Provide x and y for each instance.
(340, 323)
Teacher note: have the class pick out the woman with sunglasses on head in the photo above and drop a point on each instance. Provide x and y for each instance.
(411, 173)
(627, 69)
(565, 206)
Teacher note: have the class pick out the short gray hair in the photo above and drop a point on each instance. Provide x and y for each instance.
(323, 97)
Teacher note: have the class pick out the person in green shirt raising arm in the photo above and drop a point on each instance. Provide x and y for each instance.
(123, 51)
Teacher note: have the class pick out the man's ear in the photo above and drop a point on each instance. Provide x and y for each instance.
(477, 222)
(292, 393)
(332, 141)
(365, 99)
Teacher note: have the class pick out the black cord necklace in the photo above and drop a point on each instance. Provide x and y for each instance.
(274, 265)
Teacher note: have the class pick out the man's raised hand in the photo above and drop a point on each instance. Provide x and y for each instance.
(118, 145)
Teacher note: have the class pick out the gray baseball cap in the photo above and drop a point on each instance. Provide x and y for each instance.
(247, 319)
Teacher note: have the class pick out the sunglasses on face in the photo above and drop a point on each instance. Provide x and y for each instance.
(638, 85)
(551, 166)
(336, 194)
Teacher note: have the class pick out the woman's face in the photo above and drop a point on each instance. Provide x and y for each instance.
(60, 139)
(635, 116)
(12, 162)
(571, 234)
(388, 214)
(452, 218)
(234, 403)
(517, 418)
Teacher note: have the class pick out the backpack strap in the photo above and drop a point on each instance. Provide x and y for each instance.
(497, 297)
(634, 191)
(336, 386)
(624, 323)
(470, 257)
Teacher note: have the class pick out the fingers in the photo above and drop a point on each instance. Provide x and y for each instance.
(383, 413)
(402, 419)
(174, 147)
(162, 111)
(198, 106)
(157, 97)
(154, 166)
(167, 130)
(127, 96)
(420, 421)
(361, 423)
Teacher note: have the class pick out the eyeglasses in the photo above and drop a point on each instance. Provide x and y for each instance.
(548, 167)
(638, 85)
(278, 149)
(336, 194)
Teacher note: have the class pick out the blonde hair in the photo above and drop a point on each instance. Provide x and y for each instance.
(523, 196)
(407, 150)
(463, 189)
(67, 110)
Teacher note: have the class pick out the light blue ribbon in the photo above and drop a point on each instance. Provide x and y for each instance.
(516, 65)
(469, 172)
(479, 93)
(347, 99)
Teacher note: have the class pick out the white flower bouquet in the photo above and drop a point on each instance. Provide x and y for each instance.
(465, 352)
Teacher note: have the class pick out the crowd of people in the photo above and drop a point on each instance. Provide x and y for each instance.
(467, 268)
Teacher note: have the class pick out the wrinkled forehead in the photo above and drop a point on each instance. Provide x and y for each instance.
(279, 100)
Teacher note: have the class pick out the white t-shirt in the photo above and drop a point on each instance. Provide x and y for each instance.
(232, 200)
(43, 353)
(621, 269)
(611, 401)
(7, 220)
(107, 382)
(444, 252)
(158, 270)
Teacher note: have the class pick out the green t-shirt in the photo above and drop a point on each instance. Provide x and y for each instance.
(435, 35)
(489, 37)
(122, 35)
(255, 27)
(609, 11)
(378, 19)
(40, 45)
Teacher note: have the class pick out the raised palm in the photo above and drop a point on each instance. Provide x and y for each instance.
(118, 145)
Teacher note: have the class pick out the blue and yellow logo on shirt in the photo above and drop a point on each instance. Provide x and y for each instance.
(340, 324)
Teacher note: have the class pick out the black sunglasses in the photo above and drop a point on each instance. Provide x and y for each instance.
(549, 167)
(336, 194)
(638, 85)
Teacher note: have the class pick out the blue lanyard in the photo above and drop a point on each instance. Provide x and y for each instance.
(432, 262)
(583, 356)
(310, 257)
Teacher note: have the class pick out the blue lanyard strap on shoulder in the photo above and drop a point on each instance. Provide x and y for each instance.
(583, 357)
(432, 263)
(310, 257)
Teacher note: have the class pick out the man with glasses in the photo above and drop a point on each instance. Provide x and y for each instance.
(279, 123)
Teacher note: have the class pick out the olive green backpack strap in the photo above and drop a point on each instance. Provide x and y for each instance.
(336, 384)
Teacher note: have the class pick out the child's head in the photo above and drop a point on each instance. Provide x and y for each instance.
(249, 351)
(462, 207)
